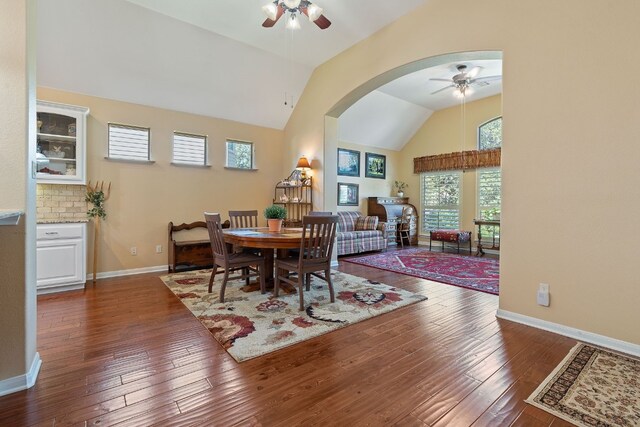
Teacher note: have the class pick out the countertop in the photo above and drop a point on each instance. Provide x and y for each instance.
(62, 221)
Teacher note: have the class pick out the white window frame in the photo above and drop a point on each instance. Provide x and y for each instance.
(479, 207)
(110, 150)
(424, 207)
(480, 128)
(204, 161)
(253, 154)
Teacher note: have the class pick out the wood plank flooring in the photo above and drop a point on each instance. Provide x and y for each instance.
(127, 352)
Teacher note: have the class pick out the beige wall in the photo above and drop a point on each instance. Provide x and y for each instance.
(370, 187)
(442, 133)
(17, 191)
(145, 197)
(571, 147)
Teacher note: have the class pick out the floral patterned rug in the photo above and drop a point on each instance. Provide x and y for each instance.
(592, 387)
(249, 324)
(480, 274)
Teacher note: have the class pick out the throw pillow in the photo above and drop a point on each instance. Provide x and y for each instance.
(365, 223)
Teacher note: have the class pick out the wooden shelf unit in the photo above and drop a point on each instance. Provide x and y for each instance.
(302, 192)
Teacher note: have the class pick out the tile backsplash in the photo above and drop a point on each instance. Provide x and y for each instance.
(64, 203)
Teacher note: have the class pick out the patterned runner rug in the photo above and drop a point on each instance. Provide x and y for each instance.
(249, 324)
(480, 274)
(592, 387)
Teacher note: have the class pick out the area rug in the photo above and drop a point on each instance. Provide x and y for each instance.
(480, 274)
(249, 324)
(592, 387)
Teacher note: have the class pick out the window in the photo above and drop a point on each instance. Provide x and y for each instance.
(129, 142)
(490, 134)
(489, 185)
(189, 149)
(239, 154)
(441, 196)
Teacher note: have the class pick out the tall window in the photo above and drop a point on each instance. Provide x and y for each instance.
(239, 154)
(189, 149)
(489, 184)
(128, 142)
(490, 134)
(441, 197)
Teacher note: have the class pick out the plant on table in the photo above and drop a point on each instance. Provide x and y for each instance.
(400, 186)
(275, 214)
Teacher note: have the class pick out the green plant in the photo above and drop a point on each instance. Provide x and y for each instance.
(400, 185)
(96, 198)
(275, 212)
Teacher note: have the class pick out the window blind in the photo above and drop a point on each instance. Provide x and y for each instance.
(189, 149)
(128, 142)
(441, 196)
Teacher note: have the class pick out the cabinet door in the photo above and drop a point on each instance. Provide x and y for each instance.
(60, 156)
(60, 262)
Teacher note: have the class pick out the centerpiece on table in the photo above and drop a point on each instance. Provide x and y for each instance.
(275, 214)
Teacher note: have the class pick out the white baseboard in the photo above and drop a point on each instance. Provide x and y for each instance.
(567, 331)
(130, 272)
(334, 263)
(24, 381)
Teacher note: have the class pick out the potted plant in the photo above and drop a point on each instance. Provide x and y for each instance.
(400, 186)
(275, 214)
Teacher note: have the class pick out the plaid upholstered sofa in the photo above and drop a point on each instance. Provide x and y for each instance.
(357, 233)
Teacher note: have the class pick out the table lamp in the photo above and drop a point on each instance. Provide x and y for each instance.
(303, 165)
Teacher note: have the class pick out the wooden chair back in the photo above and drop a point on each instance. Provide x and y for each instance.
(319, 213)
(214, 225)
(318, 235)
(243, 219)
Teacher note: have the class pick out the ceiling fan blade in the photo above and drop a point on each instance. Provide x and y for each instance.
(489, 78)
(268, 23)
(440, 90)
(441, 80)
(321, 22)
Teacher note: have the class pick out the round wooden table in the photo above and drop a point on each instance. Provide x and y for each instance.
(267, 241)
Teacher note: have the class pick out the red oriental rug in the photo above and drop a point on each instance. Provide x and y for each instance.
(480, 274)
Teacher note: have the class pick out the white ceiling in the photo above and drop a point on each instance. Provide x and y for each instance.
(213, 58)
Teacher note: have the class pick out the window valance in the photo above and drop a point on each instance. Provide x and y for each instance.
(462, 160)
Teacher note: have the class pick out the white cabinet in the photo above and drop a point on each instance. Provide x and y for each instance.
(61, 257)
(61, 147)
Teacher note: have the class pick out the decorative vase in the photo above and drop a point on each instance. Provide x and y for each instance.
(275, 225)
(400, 193)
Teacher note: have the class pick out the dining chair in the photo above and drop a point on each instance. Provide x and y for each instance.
(231, 262)
(316, 246)
(404, 226)
(243, 219)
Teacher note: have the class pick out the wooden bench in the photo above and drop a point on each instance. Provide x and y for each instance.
(189, 254)
(450, 236)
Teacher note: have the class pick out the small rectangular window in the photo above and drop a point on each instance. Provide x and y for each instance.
(441, 197)
(129, 142)
(239, 154)
(189, 149)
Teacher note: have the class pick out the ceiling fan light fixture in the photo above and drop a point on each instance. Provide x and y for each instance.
(271, 10)
(314, 12)
(292, 4)
(293, 23)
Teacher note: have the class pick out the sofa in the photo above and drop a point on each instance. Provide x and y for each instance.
(357, 233)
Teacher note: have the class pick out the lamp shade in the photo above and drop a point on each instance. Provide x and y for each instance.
(303, 163)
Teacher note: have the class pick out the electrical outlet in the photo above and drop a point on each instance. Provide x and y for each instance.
(158, 249)
(133, 250)
(543, 295)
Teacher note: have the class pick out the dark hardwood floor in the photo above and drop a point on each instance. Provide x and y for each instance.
(126, 351)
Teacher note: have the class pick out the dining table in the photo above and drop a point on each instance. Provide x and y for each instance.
(270, 243)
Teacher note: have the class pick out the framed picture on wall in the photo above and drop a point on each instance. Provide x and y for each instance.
(348, 162)
(348, 194)
(375, 166)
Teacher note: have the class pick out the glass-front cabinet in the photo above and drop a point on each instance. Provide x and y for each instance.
(61, 146)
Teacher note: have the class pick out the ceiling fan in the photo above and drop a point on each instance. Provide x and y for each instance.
(277, 8)
(464, 79)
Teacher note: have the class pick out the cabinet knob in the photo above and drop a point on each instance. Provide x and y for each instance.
(51, 233)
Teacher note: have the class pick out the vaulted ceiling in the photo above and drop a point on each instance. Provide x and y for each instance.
(213, 58)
